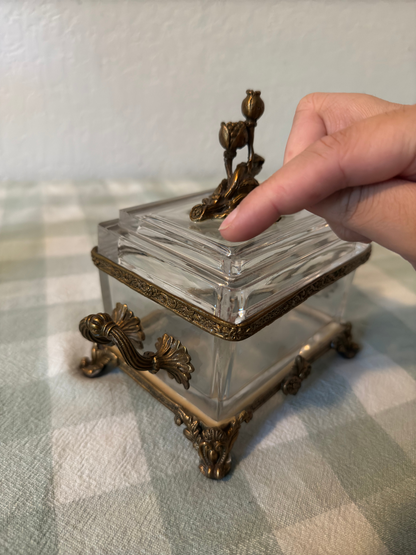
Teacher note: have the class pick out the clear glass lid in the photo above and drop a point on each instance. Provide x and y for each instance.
(232, 281)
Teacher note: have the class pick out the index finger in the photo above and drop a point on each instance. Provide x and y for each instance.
(320, 114)
(370, 151)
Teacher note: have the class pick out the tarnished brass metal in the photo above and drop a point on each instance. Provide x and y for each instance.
(344, 344)
(123, 330)
(301, 369)
(99, 360)
(212, 324)
(214, 443)
(239, 183)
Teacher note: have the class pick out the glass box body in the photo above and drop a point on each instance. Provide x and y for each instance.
(234, 285)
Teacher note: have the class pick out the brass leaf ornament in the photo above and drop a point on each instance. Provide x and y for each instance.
(123, 330)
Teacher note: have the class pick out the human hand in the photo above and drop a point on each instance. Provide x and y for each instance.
(351, 159)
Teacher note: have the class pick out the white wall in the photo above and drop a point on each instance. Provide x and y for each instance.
(101, 88)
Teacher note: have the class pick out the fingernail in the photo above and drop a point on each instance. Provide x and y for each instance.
(229, 219)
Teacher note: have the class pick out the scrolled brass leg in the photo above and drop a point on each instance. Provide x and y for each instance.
(213, 444)
(301, 370)
(100, 358)
(123, 330)
(344, 344)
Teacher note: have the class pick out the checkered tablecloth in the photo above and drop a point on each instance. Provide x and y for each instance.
(99, 467)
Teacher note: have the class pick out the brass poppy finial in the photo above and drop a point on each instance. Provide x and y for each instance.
(239, 183)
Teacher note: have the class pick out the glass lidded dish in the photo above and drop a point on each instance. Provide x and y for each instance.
(232, 323)
(244, 311)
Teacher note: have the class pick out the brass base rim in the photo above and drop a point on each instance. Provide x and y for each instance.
(214, 442)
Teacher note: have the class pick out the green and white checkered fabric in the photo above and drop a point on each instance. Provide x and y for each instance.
(99, 467)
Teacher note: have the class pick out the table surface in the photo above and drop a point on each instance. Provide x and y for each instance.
(98, 466)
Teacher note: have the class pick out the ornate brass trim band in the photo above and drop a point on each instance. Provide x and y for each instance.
(123, 330)
(213, 324)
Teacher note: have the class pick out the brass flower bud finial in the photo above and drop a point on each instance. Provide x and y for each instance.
(241, 180)
(233, 135)
(253, 105)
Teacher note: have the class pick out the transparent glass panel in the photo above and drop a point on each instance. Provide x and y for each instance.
(228, 373)
(233, 281)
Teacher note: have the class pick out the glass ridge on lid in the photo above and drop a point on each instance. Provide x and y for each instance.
(233, 281)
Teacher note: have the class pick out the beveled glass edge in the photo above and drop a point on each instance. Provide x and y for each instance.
(212, 324)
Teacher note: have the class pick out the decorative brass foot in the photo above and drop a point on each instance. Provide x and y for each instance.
(344, 345)
(213, 444)
(99, 360)
(123, 330)
(301, 369)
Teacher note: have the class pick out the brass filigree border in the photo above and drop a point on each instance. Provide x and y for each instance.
(213, 324)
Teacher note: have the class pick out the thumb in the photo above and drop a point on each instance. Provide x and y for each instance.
(370, 151)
